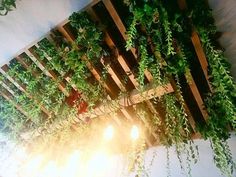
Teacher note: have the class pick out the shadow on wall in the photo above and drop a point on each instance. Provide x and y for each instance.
(225, 14)
(31, 20)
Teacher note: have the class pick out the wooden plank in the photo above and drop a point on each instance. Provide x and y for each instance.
(7, 88)
(119, 84)
(198, 98)
(203, 63)
(67, 78)
(201, 56)
(90, 66)
(182, 4)
(198, 47)
(49, 73)
(134, 97)
(8, 97)
(117, 20)
(4, 69)
(124, 65)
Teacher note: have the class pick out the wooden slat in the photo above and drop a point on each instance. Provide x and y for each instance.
(124, 65)
(114, 76)
(90, 66)
(51, 74)
(119, 84)
(198, 47)
(201, 56)
(198, 98)
(4, 69)
(67, 78)
(8, 97)
(203, 63)
(134, 97)
(116, 18)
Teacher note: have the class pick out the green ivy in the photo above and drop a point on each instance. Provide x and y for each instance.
(11, 120)
(6, 6)
(220, 103)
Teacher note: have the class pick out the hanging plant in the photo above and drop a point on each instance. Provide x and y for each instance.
(150, 32)
(6, 6)
(220, 103)
(56, 61)
(87, 48)
(12, 121)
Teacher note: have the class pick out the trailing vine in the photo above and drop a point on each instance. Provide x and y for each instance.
(150, 32)
(162, 41)
(12, 121)
(220, 103)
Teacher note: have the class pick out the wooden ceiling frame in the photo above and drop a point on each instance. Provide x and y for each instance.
(134, 95)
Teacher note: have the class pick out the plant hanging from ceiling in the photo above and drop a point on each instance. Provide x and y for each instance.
(161, 39)
(6, 6)
(220, 102)
(12, 121)
(152, 34)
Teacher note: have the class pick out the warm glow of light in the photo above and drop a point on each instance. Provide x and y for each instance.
(98, 164)
(108, 133)
(33, 165)
(50, 170)
(134, 132)
(71, 167)
(21, 153)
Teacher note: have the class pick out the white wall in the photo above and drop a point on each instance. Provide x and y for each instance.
(225, 14)
(204, 168)
(31, 20)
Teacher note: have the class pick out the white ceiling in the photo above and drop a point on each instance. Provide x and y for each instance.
(31, 20)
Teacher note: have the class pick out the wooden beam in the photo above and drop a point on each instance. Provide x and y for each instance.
(4, 69)
(198, 47)
(90, 66)
(121, 27)
(124, 66)
(198, 98)
(201, 56)
(134, 97)
(8, 97)
(67, 78)
(49, 73)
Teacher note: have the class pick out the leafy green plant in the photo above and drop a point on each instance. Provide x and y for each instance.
(6, 6)
(56, 61)
(220, 103)
(12, 121)
(87, 48)
(89, 37)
